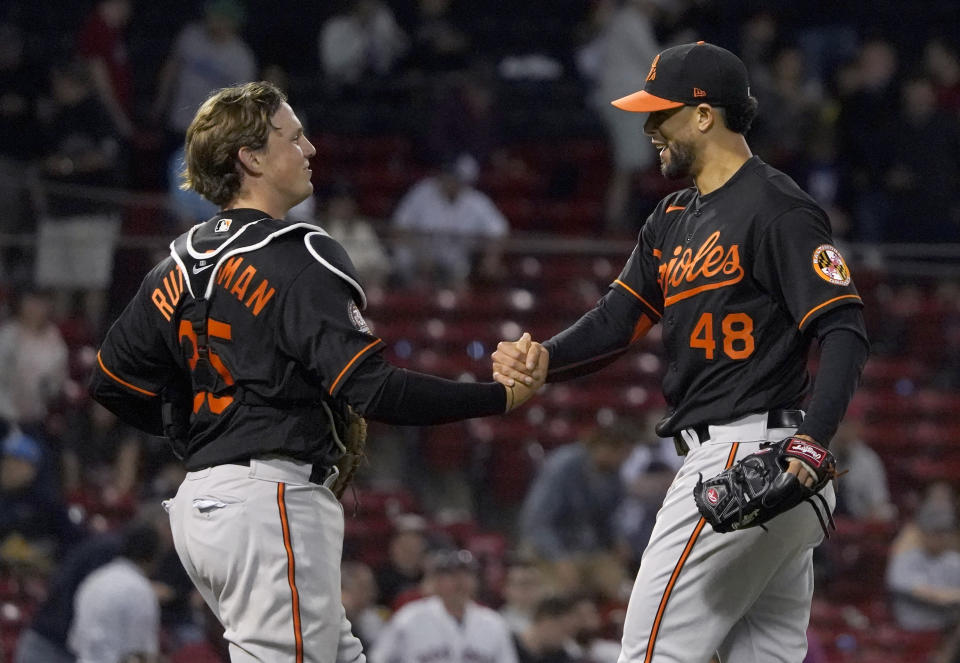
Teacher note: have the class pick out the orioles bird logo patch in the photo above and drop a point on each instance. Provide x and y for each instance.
(830, 266)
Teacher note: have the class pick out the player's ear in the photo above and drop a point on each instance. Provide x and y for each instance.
(706, 116)
(251, 160)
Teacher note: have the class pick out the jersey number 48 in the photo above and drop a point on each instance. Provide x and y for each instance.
(736, 330)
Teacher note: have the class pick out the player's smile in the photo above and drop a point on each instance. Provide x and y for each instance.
(652, 127)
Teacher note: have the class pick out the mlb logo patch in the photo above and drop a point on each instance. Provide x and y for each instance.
(223, 225)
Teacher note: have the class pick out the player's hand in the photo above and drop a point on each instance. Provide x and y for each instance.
(518, 361)
(520, 391)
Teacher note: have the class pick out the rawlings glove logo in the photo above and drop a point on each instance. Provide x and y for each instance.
(713, 496)
(807, 451)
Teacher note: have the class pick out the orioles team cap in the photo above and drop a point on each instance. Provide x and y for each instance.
(687, 75)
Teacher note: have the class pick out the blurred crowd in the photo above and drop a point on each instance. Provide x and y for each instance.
(858, 102)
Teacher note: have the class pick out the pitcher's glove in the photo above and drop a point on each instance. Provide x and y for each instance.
(350, 434)
(758, 487)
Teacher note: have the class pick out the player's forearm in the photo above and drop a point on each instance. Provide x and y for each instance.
(595, 340)
(141, 412)
(408, 398)
(843, 352)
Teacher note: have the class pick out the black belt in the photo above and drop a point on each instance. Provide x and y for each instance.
(318, 474)
(775, 419)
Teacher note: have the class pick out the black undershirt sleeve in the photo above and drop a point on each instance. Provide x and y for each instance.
(843, 352)
(595, 340)
(383, 392)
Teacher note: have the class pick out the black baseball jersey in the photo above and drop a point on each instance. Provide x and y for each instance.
(736, 277)
(257, 321)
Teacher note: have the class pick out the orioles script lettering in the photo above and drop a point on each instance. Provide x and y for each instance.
(692, 271)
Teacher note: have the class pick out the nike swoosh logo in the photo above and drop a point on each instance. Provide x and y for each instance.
(674, 208)
(195, 270)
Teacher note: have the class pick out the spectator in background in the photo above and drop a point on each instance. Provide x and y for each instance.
(34, 526)
(101, 43)
(34, 360)
(102, 453)
(867, 127)
(759, 35)
(465, 120)
(358, 590)
(543, 640)
(437, 44)
(523, 587)
(77, 232)
(922, 185)
(629, 45)
(587, 643)
(567, 517)
(406, 552)
(18, 132)
(943, 68)
(447, 625)
(116, 612)
(363, 40)
(646, 475)
(207, 55)
(45, 640)
(448, 226)
(18, 92)
(940, 493)
(793, 103)
(925, 580)
(947, 374)
(356, 233)
(864, 492)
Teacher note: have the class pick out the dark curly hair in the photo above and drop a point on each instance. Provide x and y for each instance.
(231, 118)
(739, 117)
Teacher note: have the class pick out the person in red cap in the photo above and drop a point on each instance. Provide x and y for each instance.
(742, 272)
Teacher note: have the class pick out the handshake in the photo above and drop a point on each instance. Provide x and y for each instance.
(521, 367)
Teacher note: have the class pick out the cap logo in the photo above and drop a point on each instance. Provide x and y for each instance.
(653, 68)
(697, 92)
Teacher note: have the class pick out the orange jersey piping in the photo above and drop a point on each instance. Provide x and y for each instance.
(826, 303)
(635, 294)
(121, 381)
(351, 363)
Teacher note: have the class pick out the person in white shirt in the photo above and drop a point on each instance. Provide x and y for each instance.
(363, 40)
(449, 223)
(447, 626)
(206, 55)
(116, 612)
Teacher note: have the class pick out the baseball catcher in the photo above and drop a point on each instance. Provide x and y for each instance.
(758, 487)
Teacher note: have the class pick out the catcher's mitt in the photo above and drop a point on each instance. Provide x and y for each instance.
(758, 487)
(350, 434)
